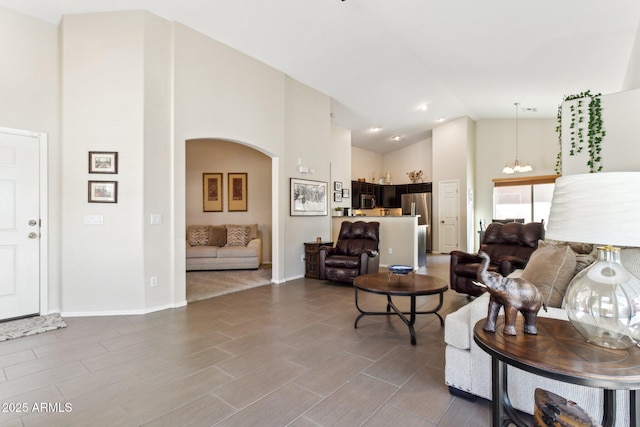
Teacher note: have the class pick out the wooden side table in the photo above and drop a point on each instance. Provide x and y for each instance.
(559, 352)
(312, 258)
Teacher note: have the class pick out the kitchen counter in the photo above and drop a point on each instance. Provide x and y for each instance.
(400, 238)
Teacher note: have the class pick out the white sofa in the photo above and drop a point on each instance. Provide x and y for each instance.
(468, 367)
(223, 247)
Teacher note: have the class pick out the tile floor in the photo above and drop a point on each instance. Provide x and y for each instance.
(278, 355)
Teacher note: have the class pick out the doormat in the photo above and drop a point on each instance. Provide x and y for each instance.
(30, 326)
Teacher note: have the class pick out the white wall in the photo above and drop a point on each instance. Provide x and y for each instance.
(620, 147)
(158, 140)
(308, 137)
(453, 148)
(364, 163)
(221, 93)
(340, 163)
(209, 155)
(30, 99)
(103, 110)
(537, 144)
(416, 157)
(632, 78)
(139, 85)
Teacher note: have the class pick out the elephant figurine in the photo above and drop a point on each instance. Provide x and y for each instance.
(514, 295)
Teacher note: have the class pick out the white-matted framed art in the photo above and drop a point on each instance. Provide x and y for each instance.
(308, 198)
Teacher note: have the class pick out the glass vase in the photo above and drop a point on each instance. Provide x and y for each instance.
(603, 302)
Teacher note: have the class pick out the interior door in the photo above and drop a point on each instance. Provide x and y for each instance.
(449, 206)
(19, 224)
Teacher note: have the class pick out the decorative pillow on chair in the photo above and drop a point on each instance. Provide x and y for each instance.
(198, 235)
(237, 235)
(550, 269)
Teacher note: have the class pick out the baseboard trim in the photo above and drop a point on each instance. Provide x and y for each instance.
(122, 312)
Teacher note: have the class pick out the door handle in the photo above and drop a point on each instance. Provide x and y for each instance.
(33, 235)
(33, 222)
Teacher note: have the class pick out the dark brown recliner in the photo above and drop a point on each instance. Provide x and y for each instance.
(508, 245)
(355, 252)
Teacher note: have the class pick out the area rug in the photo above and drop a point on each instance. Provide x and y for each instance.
(30, 326)
(208, 284)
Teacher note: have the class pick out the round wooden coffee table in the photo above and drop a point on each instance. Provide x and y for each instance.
(410, 285)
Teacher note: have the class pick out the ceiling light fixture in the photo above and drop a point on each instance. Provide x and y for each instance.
(517, 166)
(375, 129)
(396, 138)
(423, 107)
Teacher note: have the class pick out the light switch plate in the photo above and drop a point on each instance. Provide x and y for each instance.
(94, 219)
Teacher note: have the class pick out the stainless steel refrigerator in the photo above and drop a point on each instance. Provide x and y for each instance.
(421, 203)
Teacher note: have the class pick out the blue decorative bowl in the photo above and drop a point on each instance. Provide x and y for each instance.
(400, 269)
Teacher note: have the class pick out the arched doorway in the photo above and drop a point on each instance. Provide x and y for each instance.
(224, 157)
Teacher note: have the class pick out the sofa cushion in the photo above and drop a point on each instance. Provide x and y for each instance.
(237, 252)
(550, 269)
(457, 333)
(218, 236)
(237, 235)
(202, 251)
(586, 253)
(198, 235)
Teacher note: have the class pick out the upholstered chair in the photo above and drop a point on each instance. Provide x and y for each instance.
(355, 252)
(509, 247)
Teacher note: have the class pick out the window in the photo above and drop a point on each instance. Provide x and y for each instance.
(528, 198)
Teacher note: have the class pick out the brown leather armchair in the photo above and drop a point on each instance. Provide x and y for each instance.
(355, 252)
(508, 245)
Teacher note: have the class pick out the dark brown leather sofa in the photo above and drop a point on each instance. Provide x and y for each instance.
(508, 245)
(355, 252)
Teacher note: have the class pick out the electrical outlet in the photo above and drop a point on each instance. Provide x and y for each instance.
(302, 257)
(153, 281)
(390, 251)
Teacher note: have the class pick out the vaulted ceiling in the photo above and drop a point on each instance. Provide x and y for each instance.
(379, 60)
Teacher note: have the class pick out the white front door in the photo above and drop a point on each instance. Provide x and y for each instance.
(448, 213)
(19, 224)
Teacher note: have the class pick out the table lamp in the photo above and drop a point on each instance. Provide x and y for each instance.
(603, 300)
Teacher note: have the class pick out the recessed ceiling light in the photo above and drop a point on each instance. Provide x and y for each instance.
(441, 119)
(396, 138)
(375, 129)
(422, 107)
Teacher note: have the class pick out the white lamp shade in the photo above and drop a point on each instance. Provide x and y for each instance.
(601, 208)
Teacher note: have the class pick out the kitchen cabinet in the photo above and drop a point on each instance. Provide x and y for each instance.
(387, 196)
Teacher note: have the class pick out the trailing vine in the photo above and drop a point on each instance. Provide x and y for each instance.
(594, 128)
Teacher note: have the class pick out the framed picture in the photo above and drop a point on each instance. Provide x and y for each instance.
(212, 192)
(103, 162)
(308, 198)
(337, 186)
(237, 192)
(345, 193)
(103, 192)
(337, 197)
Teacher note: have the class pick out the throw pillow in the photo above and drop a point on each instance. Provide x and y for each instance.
(586, 253)
(218, 236)
(237, 235)
(550, 268)
(198, 235)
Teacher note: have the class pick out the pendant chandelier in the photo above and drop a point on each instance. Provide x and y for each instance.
(517, 166)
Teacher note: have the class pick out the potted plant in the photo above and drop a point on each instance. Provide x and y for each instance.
(337, 211)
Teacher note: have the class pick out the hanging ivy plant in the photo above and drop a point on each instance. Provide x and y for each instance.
(594, 128)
